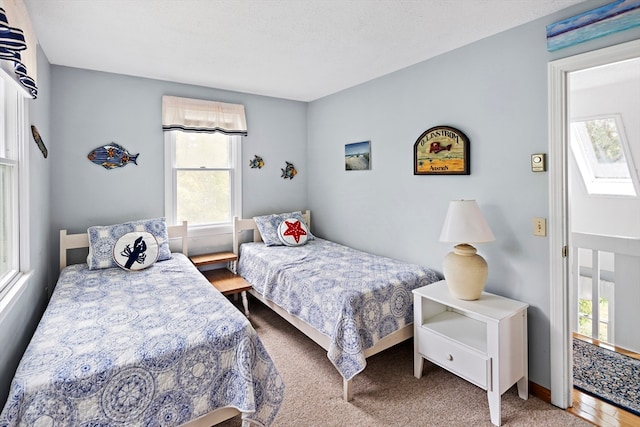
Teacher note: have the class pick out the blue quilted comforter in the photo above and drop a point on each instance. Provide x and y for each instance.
(353, 297)
(155, 347)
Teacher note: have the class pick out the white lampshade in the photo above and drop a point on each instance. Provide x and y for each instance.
(465, 224)
(464, 270)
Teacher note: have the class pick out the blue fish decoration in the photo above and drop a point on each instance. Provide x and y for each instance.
(257, 162)
(112, 156)
(289, 172)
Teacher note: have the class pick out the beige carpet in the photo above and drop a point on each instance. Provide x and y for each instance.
(386, 393)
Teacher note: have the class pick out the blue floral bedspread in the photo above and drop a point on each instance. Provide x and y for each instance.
(157, 347)
(353, 297)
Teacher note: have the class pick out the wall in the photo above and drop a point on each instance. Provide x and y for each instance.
(609, 215)
(495, 91)
(18, 321)
(91, 109)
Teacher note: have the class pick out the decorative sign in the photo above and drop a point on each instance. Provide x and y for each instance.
(441, 150)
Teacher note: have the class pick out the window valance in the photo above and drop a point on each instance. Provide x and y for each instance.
(18, 43)
(196, 115)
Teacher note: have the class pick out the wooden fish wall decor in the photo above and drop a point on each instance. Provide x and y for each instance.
(257, 162)
(289, 172)
(112, 156)
(39, 142)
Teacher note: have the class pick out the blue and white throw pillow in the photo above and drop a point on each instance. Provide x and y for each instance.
(136, 251)
(102, 240)
(268, 226)
(293, 232)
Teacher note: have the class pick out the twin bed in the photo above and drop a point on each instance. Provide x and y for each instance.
(161, 346)
(155, 347)
(352, 303)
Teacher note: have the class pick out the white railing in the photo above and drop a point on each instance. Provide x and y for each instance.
(614, 259)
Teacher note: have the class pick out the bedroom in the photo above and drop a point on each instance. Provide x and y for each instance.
(78, 110)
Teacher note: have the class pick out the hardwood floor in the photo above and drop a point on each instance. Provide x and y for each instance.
(597, 411)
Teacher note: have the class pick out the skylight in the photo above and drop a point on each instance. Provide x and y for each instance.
(602, 153)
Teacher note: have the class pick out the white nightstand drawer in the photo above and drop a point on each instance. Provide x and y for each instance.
(464, 361)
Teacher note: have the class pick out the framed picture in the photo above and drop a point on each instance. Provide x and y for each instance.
(441, 150)
(357, 156)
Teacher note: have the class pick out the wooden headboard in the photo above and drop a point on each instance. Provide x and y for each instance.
(240, 225)
(81, 240)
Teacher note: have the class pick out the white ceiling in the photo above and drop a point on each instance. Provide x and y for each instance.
(294, 49)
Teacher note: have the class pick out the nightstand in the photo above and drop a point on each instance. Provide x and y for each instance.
(224, 279)
(482, 341)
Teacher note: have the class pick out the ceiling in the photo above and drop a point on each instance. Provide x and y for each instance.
(293, 49)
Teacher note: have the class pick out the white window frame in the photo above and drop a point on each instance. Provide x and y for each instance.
(585, 157)
(13, 126)
(170, 185)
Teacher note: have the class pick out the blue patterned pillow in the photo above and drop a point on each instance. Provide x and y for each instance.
(268, 226)
(102, 240)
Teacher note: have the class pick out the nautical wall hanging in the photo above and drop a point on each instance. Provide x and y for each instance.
(39, 142)
(257, 162)
(112, 156)
(288, 172)
(441, 150)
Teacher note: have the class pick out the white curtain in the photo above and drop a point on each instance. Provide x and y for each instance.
(196, 115)
(18, 44)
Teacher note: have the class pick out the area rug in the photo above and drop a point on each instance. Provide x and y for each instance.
(607, 375)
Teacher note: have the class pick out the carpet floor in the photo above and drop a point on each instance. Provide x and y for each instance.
(610, 376)
(386, 393)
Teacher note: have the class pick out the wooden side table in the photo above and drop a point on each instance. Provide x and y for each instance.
(483, 341)
(224, 279)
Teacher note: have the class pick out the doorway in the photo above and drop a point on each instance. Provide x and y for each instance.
(561, 292)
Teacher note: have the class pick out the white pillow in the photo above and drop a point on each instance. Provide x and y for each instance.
(136, 250)
(293, 232)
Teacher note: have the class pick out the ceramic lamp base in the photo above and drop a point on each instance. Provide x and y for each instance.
(465, 272)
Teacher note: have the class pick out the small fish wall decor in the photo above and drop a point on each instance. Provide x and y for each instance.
(289, 172)
(39, 142)
(257, 162)
(112, 156)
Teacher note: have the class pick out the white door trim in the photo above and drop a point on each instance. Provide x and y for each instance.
(560, 357)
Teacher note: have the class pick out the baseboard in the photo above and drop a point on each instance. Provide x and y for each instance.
(540, 392)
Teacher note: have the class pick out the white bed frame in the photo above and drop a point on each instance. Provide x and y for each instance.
(241, 225)
(81, 240)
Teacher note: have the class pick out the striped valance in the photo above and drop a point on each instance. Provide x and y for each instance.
(196, 115)
(13, 43)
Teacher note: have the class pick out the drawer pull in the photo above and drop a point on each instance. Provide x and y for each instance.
(450, 357)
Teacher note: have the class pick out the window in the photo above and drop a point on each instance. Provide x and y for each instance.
(602, 153)
(204, 187)
(12, 175)
(202, 170)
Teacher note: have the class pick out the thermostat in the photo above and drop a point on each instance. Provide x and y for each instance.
(538, 162)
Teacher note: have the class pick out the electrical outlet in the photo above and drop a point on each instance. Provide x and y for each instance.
(539, 226)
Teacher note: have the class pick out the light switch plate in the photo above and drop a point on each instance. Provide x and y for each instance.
(538, 162)
(539, 226)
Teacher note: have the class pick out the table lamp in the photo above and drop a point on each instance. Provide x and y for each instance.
(464, 270)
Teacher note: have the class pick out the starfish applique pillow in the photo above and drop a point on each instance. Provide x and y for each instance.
(293, 232)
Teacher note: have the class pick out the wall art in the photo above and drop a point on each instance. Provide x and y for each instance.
(111, 156)
(441, 150)
(357, 156)
(256, 162)
(611, 18)
(288, 172)
(38, 139)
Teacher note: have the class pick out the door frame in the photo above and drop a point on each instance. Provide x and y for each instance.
(559, 227)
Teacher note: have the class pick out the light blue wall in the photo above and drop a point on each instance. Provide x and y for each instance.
(18, 321)
(92, 108)
(495, 91)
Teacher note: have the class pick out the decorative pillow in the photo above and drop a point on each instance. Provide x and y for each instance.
(102, 239)
(136, 251)
(293, 232)
(268, 226)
